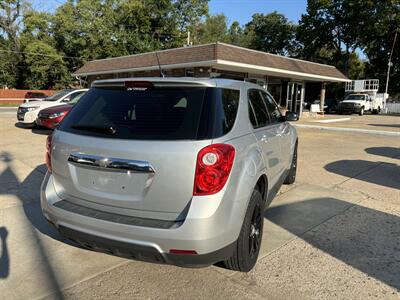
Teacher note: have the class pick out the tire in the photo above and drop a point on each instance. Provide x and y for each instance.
(361, 113)
(376, 111)
(291, 177)
(248, 243)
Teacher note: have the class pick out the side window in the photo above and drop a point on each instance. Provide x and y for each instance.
(273, 109)
(230, 104)
(257, 111)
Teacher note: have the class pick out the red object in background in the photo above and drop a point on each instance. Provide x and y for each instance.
(48, 152)
(51, 117)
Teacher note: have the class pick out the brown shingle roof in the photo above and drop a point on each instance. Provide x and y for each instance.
(258, 58)
(166, 57)
(208, 53)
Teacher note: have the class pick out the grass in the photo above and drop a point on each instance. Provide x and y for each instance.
(9, 104)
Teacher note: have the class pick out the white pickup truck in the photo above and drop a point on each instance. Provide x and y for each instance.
(362, 96)
(360, 103)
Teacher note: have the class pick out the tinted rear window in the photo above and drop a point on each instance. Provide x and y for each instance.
(173, 113)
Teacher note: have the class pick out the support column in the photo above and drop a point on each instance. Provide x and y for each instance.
(302, 96)
(322, 99)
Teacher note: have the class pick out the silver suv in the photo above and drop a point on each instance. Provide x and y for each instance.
(169, 170)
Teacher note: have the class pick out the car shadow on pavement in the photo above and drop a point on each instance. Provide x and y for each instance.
(363, 238)
(390, 152)
(35, 129)
(42, 131)
(31, 206)
(23, 125)
(4, 256)
(386, 125)
(381, 173)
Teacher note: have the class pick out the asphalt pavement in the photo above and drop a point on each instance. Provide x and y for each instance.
(335, 234)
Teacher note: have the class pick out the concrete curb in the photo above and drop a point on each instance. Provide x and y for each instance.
(353, 130)
(8, 108)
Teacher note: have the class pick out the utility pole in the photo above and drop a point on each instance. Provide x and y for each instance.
(390, 63)
(188, 38)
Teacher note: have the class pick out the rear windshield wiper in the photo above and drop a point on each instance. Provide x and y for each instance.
(101, 129)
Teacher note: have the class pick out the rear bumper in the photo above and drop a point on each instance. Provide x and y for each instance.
(204, 233)
(141, 252)
(48, 123)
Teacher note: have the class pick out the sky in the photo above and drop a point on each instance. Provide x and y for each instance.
(235, 10)
(242, 10)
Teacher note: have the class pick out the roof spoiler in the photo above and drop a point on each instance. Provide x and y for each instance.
(123, 83)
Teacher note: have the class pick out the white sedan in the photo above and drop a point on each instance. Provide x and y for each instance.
(28, 112)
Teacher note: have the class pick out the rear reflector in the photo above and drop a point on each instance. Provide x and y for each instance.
(184, 252)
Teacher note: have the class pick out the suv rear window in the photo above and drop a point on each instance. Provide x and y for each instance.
(157, 113)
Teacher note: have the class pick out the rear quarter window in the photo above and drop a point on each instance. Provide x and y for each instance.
(226, 111)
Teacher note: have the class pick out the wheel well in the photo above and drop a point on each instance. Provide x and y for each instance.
(262, 186)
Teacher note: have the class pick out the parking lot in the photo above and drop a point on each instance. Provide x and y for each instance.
(333, 234)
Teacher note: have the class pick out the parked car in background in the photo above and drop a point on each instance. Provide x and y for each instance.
(51, 117)
(34, 96)
(27, 112)
(330, 105)
(169, 170)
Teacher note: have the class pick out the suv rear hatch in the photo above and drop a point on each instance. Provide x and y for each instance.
(131, 147)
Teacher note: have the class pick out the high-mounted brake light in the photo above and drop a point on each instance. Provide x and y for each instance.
(214, 164)
(140, 85)
(48, 152)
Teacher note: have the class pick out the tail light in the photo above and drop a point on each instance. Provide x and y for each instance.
(48, 152)
(214, 164)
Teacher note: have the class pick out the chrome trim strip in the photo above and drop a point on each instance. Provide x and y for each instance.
(110, 164)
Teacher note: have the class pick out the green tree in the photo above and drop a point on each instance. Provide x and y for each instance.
(329, 31)
(47, 70)
(238, 36)
(213, 29)
(94, 29)
(189, 13)
(43, 66)
(382, 21)
(8, 65)
(38, 26)
(10, 56)
(10, 18)
(271, 33)
(86, 28)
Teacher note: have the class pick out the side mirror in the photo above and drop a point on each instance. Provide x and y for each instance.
(291, 116)
(66, 100)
